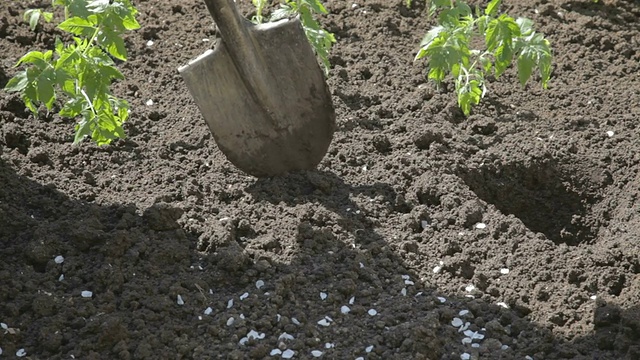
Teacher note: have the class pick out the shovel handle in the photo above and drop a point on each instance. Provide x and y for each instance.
(234, 31)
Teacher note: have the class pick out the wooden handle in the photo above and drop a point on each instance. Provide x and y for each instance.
(239, 42)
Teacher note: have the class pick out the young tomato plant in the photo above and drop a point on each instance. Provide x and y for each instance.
(448, 48)
(319, 38)
(81, 72)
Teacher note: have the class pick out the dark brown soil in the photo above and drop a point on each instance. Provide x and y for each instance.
(407, 179)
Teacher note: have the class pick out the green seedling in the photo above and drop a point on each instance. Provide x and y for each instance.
(81, 72)
(32, 16)
(447, 48)
(319, 38)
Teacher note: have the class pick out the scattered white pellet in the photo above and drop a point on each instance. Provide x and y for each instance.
(230, 304)
(252, 334)
(210, 291)
(466, 340)
(424, 224)
(438, 268)
(441, 299)
(180, 301)
(528, 357)
(504, 347)
(372, 312)
(409, 282)
(465, 356)
(369, 348)
(329, 345)
(361, 265)
(21, 353)
(503, 304)
(470, 288)
(474, 335)
(278, 317)
(288, 354)
(61, 277)
(593, 297)
(150, 43)
(354, 5)
(295, 321)
(456, 322)
(463, 312)
(323, 295)
(352, 300)
(275, 352)
(86, 294)
(475, 345)
(4, 326)
(345, 309)
(0, 351)
(316, 353)
(481, 225)
(324, 322)
(244, 296)
(242, 316)
(610, 133)
(259, 284)
(504, 271)
(285, 336)
(208, 311)
(149, 102)
(230, 321)
(359, 358)
(406, 277)
(418, 294)
(403, 291)
(59, 259)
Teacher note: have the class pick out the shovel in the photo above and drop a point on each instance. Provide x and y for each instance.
(263, 94)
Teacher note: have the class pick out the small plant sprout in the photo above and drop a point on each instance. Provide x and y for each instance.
(32, 16)
(448, 48)
(81, 72)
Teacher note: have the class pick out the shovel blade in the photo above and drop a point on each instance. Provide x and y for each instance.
(291, 132)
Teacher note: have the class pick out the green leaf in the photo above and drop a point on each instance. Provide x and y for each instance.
(80, 26)
(113, 43)
(32, 16)
(501, 31)
(97, 6)
(44, 87)
(17, 83)
(492, 8)
(316, 6)
(48, 16)
(431, 35)
(525, 25)
(526, 63)
(469, 95)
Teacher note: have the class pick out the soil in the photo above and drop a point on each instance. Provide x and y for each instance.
(516, 229)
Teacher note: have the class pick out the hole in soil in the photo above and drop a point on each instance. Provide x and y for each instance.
(547, 198)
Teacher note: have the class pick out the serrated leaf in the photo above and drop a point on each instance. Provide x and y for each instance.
(48, 16)
(469, 95)
(17, 83)
(503, 56)
(431, 35)
(526, 64)
(525, 25)
(501, 31)
(44, 86)
(316, 6)
(97, 6)
(80, 26)
(113, 43)
(31, 57)
(492, 7)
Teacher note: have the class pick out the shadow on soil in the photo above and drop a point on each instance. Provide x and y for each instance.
(37, 222)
